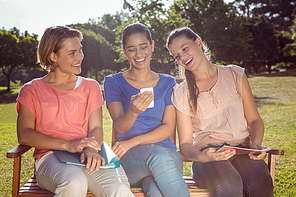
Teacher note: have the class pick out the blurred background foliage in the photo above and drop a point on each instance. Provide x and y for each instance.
(259, 35)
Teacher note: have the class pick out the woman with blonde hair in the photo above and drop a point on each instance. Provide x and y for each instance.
(63, 111)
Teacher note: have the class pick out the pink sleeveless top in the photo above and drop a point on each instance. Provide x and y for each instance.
(220, 114)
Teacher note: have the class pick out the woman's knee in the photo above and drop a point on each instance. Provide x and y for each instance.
(230, 186)
(123, 190)
(220, 177)
(256, 177)
(72, 185)
(118, 190)
(150, 187)
(162, 159)
(260, 185)
(177, 160)
(60, 178)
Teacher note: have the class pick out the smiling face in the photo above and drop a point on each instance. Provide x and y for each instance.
(69, 57)
(138, 50)
(186, 52)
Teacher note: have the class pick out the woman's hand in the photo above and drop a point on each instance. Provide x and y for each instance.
(140, 102)
(93, 159)
(254, 155)
(80, 144)
(210, 155)
(120, 148)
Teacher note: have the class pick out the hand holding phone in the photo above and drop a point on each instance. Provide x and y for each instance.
(151, 105)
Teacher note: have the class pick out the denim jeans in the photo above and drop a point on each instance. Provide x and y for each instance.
(238, 176)
(158, 170)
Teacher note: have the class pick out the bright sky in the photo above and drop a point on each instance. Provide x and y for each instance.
(36, 15)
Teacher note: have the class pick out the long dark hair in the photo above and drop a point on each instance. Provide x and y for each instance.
(191, 84)
(134, 29)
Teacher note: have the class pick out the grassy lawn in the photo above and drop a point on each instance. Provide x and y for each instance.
(275, 97)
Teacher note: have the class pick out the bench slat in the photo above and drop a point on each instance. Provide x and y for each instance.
(31, 188)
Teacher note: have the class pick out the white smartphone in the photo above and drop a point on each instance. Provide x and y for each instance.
(151, 105)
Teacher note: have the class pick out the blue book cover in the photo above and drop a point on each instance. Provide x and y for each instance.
(111, 160)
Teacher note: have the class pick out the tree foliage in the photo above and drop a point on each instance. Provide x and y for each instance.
(264, 44)
(160, 21)
(98, 48)
(250, 33)
(16, 52)
(219, 27)
(275, 15)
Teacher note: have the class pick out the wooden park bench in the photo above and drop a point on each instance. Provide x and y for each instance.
(194, 190)
(31, 188)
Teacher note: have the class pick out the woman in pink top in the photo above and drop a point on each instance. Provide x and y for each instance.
(63, 111)
(215, 106)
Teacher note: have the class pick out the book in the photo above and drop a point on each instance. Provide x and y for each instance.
(241, 151)
(111, 160)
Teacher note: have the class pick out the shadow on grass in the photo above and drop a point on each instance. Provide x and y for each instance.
(287, 73)
(7, 96)
(261, 101)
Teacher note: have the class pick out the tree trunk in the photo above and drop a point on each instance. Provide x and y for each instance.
(96, 73)
(8, 82)
(269, 68)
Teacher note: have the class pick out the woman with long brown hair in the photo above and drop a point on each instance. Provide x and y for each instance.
(215, 106)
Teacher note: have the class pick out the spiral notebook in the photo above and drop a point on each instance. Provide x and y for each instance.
(111, 160)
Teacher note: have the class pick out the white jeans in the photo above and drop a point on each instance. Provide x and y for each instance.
(74, 181)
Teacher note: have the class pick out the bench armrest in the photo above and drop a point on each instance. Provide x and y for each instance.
(18, 151)
(276, 152)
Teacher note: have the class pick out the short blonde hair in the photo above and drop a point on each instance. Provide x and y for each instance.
(51, 41)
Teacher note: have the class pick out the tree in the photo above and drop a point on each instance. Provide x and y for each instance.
(152, 14)
(279, 14)
(219, 26)
(16, 52)
(289, 48)
(111, 22)
(99, 52)
(265, 45)
(287, 56)
(160, 22)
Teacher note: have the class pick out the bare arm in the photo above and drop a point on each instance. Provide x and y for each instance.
(251, 113)
(28, 136)
(185, 132)
(158, 134)
(95, 125)
(94, 160)
(124, 121)
(254, 120)
(162, 132)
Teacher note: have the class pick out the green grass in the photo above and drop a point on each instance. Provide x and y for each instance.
(275, 98)
(274, 95)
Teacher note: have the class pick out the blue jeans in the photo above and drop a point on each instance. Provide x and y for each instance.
(158, 170)
(238, 176)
